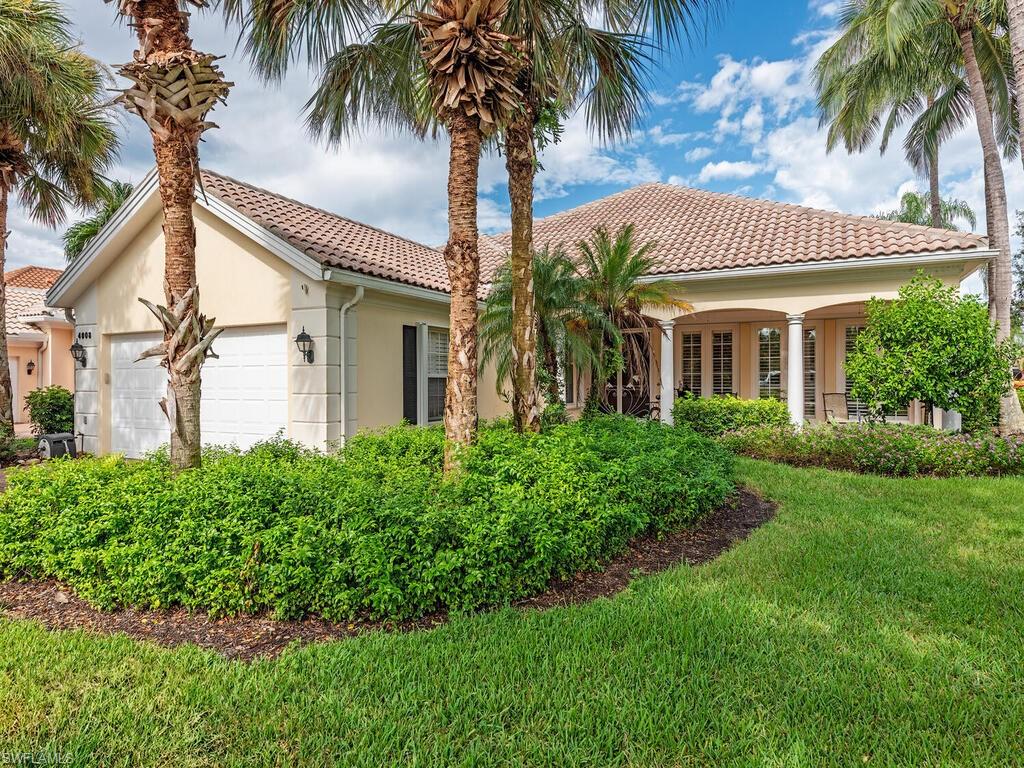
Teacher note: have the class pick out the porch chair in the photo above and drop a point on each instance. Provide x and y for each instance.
(836, 406)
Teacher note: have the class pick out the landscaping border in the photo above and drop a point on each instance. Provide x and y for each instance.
(247, 638)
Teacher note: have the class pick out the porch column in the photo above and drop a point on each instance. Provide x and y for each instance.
(795, 379)
(668, 346)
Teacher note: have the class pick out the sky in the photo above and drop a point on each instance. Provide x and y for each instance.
(732, 112)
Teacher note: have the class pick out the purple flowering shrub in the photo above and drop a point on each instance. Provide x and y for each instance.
(898, 450)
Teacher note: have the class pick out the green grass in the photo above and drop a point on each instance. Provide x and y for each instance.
(874, 619)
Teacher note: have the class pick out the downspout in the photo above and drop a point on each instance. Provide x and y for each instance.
(356, 298)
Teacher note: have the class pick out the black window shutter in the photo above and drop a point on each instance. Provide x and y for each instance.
(409, 374)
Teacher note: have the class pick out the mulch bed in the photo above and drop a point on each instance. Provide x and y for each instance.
(250, 637)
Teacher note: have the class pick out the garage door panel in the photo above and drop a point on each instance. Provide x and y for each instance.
(244, 391)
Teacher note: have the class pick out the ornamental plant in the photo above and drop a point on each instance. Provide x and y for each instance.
(374, 531)
(931, 345)
(51, 409)
(712, 416)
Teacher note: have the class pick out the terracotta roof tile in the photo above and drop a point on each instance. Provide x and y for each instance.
(331, 239)
(22, 302)
(32, 277)
(697, 230)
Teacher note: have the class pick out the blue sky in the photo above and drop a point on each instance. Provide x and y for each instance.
(734, 113)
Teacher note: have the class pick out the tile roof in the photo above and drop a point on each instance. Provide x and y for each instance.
(331, 239)
(695, 230)
(32, 277)
(22, 302)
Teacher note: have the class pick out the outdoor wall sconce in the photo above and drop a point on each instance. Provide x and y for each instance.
(30, 367)
(78, 352)
(305, 344)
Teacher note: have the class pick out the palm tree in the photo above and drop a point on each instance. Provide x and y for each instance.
(565, 320)
(81, 233)
(961, 31)
(55, 136)
(1015, 31)
(614, 270)
(919, 209)
(173, 88)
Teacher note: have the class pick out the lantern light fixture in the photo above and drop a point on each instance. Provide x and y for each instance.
(30, 367)
(305, 344)
(78, 353)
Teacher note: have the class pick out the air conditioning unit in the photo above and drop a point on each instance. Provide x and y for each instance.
(59, 444)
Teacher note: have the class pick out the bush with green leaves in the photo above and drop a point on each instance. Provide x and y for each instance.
(51, 409)
(374, 531)
(931, 345)
(900, 450)
(712, 416)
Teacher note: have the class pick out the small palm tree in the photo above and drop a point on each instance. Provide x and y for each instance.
(81, 233)
(917, 209)
(615, 271)
(55, 135)
(565, 320)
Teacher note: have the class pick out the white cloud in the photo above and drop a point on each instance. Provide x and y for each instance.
(826, 8)
(697, 154)
(727, 169)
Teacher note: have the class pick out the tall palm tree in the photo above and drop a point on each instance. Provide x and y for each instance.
(1015, 31)
(81, 233)
(962, 31)
(173, 88)
(614, 269)
(55, 136)
(566, 319)
(920, 209)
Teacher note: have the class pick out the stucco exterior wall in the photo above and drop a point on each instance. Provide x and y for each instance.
(379, 371)
(53, 364)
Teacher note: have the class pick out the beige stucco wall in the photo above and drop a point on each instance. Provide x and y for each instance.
(20, 355)
(379, 372)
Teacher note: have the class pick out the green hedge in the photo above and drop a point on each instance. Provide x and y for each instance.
(375, 531)
(900, 450)
(712, 416)
(51, 409)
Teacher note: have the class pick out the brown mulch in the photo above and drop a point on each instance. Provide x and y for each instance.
(250, 637)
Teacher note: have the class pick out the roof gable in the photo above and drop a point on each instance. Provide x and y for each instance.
(32, 277)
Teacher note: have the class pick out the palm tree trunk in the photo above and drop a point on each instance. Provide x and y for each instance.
(174, 158)
(462, 257)
(1000, 272)
(934, 200)
(6, 389)
(520, 163)
(162, 30)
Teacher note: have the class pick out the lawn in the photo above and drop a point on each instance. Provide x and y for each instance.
(874, 621)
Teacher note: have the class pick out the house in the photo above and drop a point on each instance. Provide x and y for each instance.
(778, 293)
(38, 337)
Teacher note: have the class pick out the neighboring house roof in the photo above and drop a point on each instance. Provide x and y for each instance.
(32, 277)
(333, 240)
(696, 231)
(22, 302)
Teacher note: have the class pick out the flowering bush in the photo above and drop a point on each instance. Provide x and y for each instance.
(898, 450)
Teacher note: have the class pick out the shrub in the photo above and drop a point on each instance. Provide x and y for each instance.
(373, 531)
(900, 450)
(932, 345)
(51, 409)
(712, 416)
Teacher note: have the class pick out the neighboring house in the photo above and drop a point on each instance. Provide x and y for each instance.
(38, 336)
(376, 306)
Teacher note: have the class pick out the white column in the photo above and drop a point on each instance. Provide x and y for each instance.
(795, 378)
(668, 390)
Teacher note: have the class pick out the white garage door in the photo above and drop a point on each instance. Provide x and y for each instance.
(245, 391)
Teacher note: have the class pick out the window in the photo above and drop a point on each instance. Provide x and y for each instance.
(721, 363)
(810, 372)
(437, 372)
(858, 410)
(690, 380)
(570, 383)
(769, 365)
